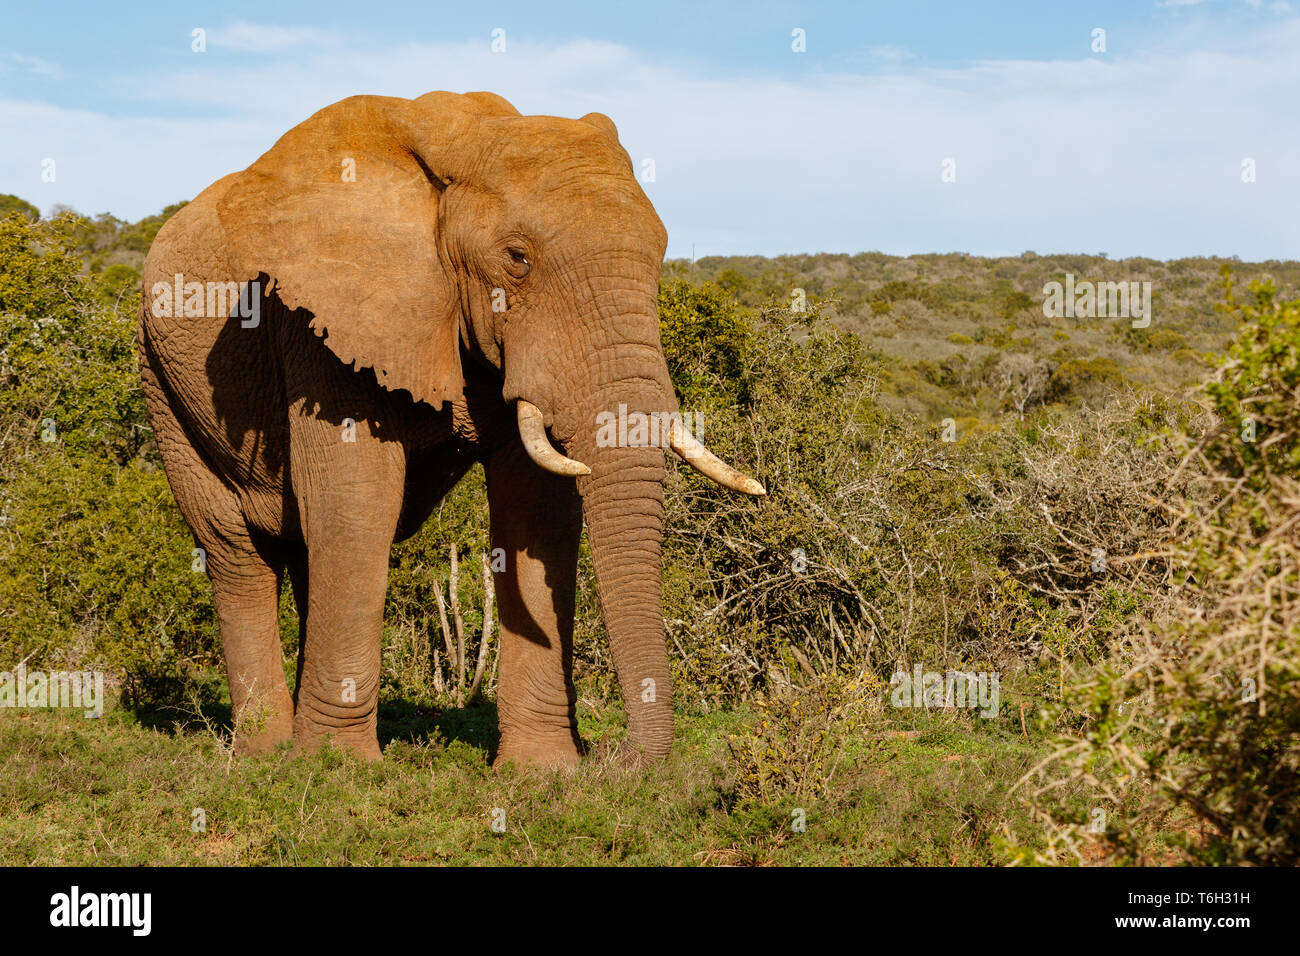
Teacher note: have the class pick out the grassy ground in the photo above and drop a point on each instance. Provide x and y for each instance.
(118, 791)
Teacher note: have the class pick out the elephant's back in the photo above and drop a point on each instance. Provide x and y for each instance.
(216, 374)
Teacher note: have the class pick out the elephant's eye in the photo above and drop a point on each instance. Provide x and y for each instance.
(517, 263)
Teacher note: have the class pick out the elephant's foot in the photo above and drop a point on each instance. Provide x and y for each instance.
(367, 750)
(551, 751)
(309, 736)
(262, 725)
(268, 738)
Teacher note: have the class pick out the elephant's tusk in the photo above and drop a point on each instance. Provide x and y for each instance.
(690, 449)
(539, 448)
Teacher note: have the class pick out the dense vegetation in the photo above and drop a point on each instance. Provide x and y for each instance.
(955, 481)
(966, 337)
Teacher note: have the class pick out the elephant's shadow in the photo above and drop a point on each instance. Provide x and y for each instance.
(400, 720)
(407, 721)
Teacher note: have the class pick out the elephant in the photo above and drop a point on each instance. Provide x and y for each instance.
(329, 340)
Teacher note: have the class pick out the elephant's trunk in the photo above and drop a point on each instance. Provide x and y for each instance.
(623, 503)
(623, 507)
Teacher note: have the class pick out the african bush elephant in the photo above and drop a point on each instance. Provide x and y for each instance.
(331, 338)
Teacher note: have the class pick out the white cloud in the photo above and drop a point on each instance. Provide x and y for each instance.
(22, 63)
(259, 38)
(1134, 156)
(884, 54)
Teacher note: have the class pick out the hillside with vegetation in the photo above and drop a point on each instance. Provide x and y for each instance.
(1103, 516)
(967, 337)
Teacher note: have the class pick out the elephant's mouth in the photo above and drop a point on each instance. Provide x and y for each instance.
(532, 430)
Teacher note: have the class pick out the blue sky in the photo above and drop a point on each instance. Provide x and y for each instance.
(1137, 150)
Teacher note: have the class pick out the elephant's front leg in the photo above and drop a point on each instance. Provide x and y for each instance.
(349, 489)
(536, 520)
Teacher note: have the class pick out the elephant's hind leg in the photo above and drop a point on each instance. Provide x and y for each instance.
(246, 573)
(245, 576)
(246, 591)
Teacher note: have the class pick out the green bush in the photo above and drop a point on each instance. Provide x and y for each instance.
(878, 541)
(1255, 393)
(1081, 377)
(97, 560)
(706, 340)
(1167, 340)
(1198, 715)
(99, 571)
(12, 204)
(67, 360)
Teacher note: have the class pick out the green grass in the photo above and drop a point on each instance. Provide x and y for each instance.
(116, 791)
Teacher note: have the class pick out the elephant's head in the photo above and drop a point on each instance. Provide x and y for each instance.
(425, 233)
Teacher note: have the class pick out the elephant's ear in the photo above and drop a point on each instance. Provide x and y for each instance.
(342, 215)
